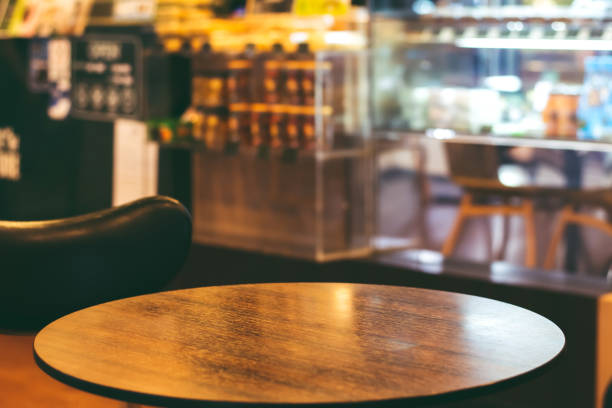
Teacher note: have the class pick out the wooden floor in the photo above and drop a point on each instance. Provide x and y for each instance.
(24, 385)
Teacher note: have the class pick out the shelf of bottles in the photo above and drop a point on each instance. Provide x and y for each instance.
(278, 123)
(534, 70)
(289, 133)
(271, 102)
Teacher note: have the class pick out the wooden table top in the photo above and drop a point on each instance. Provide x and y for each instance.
(295, 343)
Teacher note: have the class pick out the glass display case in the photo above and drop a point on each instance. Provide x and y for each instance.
(278, 127)
(511, 97)
(286, 168)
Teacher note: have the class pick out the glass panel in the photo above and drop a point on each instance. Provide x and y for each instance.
(298, 182)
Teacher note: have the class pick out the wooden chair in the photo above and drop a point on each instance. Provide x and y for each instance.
(51, 268)
(474, 168)
(570, 214)
(469, 208)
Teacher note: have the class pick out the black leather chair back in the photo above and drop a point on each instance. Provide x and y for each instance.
(608, 397)
(51, 268)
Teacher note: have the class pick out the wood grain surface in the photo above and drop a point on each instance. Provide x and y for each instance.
(296, 343)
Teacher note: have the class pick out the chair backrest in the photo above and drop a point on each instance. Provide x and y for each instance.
(608, 397)
(51, 268)
(473, 164)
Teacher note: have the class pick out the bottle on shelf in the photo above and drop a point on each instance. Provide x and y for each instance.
(277, 126)
(239, 72)
(238, 126)
(240, 95)
(292, 133)
(594, 103)
(559, 115)
(308, 141)
(273, 75)
(259, 124)
(307, 67)
(300, 77)
(215, 134)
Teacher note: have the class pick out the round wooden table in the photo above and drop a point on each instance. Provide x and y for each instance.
(295, 343)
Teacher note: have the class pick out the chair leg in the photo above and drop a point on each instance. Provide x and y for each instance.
(501, 251)
(549, 261)
(467, 209)
(424, 192)
(451, 241)
(530, 235)
(488, 227)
